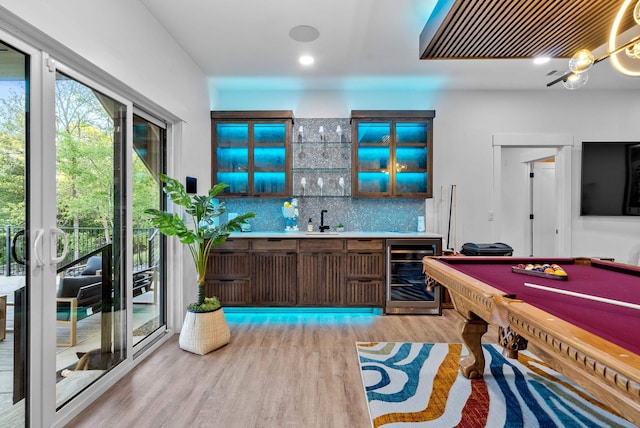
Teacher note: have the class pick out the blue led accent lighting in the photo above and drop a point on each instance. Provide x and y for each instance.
(412, 157)
(232, 133)
(269, 182)
(269, 133)
(237, 181)
(411, 132)
(232, 158)
(300, 310)
(269, 158)
(373, 157)
(411, 182)
(373, 181)
(308, 316)
(373, 132)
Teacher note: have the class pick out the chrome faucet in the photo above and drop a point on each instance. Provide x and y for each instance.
(322, 226)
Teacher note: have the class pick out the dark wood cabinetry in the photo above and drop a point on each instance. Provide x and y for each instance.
(251, 152)
(365, 272)
(321, 272)
(274, 273)
(392, 153)
(298, 272)
(229, 272)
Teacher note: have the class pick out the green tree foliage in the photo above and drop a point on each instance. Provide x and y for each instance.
(85, 160)
(12, 173)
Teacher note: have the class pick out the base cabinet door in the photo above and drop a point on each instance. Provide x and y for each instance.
(322, 278)
(274, 279)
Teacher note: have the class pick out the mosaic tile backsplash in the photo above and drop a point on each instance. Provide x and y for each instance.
(322, 181)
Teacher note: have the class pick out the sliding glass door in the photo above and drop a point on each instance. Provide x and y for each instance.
(81, 270)
(148, 314)
(91, 280)
(14, 222)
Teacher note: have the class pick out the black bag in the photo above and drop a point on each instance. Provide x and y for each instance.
(497, 249)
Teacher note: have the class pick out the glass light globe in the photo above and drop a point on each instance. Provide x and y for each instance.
(575, 81)
(636, 12)
(633, 51)
(581, 61)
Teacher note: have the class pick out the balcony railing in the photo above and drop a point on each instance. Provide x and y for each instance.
(82, 241)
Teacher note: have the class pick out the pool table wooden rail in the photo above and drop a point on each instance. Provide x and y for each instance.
(608, 371)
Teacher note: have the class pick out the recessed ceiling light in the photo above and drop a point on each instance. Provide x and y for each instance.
(304, 33)
(306, 60)
(541, 60)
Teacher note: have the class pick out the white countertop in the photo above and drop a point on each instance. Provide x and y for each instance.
(334, 234)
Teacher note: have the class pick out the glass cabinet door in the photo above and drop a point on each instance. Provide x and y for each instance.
(251, 155)
(392, 155)
(269, 158)
(411, 158)
(232, 154)
(374, 157)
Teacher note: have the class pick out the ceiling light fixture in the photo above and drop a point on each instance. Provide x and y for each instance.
(539, 60)
(306, 60)
(583, 60)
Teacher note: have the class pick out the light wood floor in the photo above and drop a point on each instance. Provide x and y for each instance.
(278, 371)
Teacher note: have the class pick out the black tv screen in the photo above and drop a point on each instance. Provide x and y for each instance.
(610, 178)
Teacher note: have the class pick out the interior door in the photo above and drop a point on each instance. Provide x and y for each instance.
(544, 208)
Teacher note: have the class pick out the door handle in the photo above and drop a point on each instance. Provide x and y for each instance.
(55, 232)
(37, 247)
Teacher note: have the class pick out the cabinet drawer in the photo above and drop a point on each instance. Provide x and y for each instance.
(228, 265)
(365, 265)
(230, 292)
(274, 244)
(365, 244)
(365, 293)
(317, 244)
(232, 244)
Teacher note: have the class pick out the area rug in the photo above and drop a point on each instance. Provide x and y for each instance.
(413, 385)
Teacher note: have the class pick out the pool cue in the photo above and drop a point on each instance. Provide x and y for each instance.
(584, 296)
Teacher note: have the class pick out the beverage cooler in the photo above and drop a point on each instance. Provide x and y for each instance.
(407, 291)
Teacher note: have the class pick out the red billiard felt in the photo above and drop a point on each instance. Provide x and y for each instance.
(614, 323)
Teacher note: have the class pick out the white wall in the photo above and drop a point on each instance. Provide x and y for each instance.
(122, 39)
(463, 128)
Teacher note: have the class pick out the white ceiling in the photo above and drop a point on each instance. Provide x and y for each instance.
(363, 45)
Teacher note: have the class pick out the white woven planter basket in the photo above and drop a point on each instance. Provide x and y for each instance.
(204, 332)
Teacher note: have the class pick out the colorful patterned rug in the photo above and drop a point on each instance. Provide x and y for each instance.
(413, 385)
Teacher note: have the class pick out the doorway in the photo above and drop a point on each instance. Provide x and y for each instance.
(514, 193)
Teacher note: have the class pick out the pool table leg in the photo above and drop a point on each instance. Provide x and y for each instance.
(511, 342)
(472, 365)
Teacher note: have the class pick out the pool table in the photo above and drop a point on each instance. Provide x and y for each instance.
(596, 344)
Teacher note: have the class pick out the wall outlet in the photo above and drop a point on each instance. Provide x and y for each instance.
(491, 216)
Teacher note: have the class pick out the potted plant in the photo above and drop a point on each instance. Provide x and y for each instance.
(339, 227)
(205, 327)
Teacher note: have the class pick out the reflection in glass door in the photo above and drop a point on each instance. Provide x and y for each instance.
(90, 304)
(14, 268)
(149, 137)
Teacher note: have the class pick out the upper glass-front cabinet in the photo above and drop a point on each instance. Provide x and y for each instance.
(251, 152)
(392, 153)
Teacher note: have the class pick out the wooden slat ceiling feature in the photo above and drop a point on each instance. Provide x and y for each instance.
(485, 29)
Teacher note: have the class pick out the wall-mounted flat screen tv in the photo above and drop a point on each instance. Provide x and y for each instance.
(610, 183)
